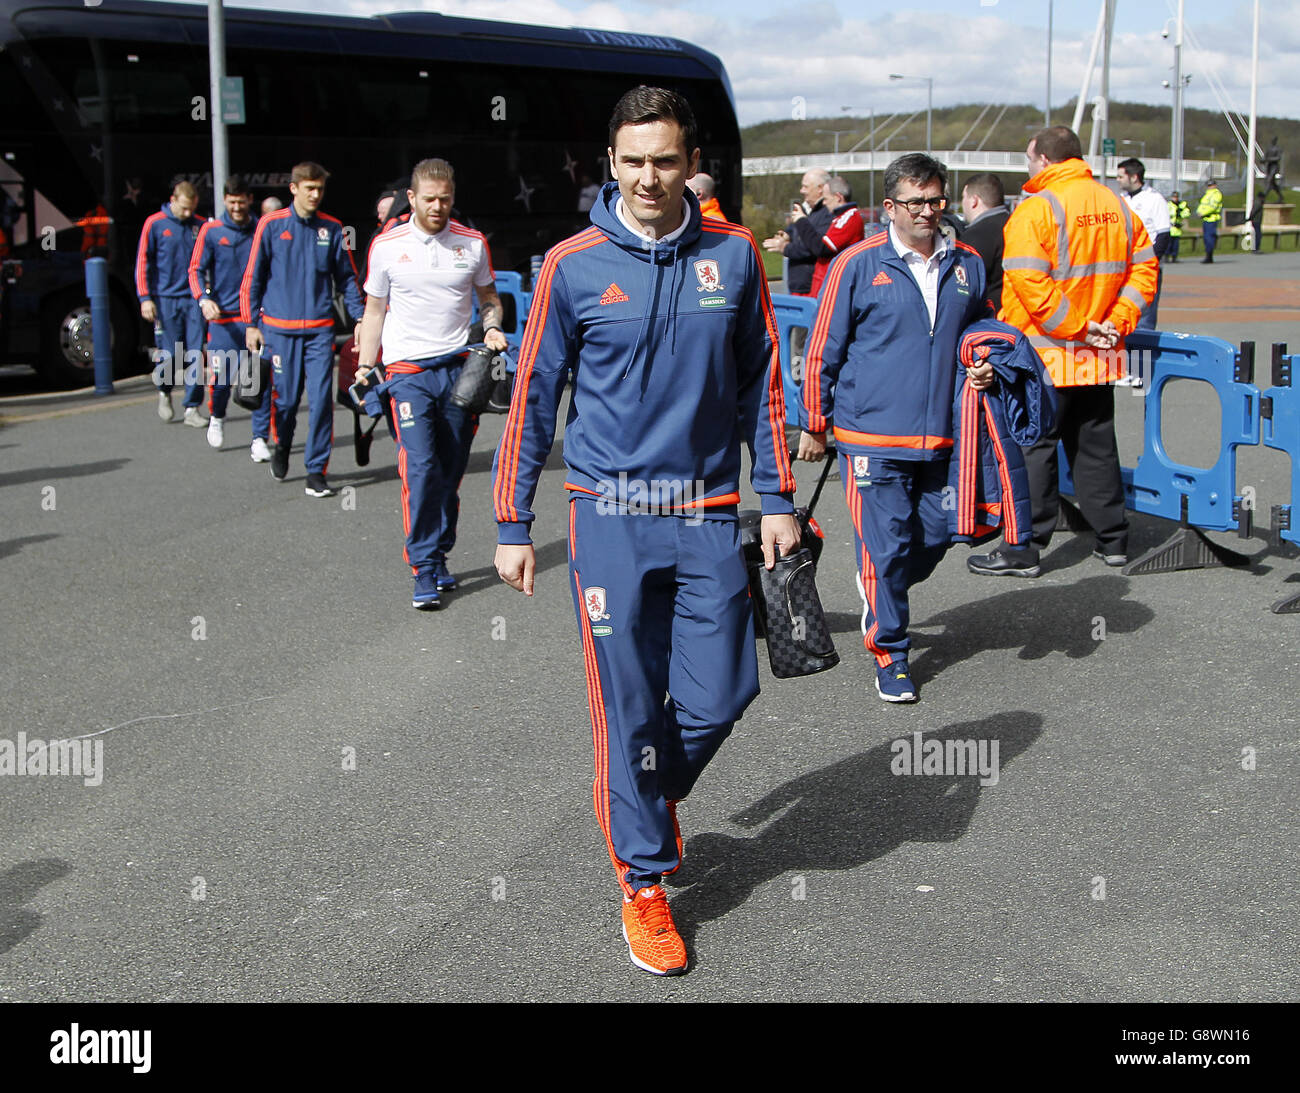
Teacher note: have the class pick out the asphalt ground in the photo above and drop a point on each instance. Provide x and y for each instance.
(234, 645)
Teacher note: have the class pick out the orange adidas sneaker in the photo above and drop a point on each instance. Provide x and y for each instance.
(652, 940)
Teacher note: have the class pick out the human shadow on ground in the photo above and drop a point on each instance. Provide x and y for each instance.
(13, 546)
(1033, 620)
(18, 885)
(56, 474)
(838, 818)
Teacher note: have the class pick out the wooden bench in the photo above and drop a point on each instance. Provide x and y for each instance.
(1192, 236)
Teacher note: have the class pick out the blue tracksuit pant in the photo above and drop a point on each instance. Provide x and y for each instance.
(668, 641)
(901, 525)
(303, 362)
(182, 326)
(227, 354)
(433, 442)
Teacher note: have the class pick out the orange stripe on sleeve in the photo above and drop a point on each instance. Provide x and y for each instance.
(512, 438)
(196, 256)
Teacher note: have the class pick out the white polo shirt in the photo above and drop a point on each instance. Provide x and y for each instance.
(924, 271)
(1152, 210)
(429, 281)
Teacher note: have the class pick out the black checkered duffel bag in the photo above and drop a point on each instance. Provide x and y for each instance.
(790, 612)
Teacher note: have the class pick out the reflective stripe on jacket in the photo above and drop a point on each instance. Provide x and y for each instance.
(1075, 253)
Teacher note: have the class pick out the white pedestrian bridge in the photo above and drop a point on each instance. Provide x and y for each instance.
(1158, 170)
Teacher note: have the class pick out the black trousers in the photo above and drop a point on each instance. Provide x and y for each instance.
(1085, 426)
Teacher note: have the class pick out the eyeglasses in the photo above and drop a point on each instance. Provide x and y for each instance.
(914, 206)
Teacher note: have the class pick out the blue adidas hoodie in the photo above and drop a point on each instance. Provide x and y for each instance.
(218, 262)
(162, 261)
(293, 269)
(673, 351)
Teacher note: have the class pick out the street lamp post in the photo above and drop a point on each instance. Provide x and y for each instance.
(837, 132)
(870, 138)
(1179, 82)
(929, 104)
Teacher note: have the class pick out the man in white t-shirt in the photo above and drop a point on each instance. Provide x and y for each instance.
(421, 278)
(1153, 211)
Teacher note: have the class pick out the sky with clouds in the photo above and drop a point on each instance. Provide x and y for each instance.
(840, 53)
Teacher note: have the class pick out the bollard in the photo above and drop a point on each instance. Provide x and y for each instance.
(101, 323)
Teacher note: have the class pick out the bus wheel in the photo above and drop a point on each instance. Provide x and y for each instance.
(67, 356)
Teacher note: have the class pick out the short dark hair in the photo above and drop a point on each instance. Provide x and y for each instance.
(307, 171)
(1058, 144)
(988, 188)
(916, 167)
(644, 104)
(1133, 166)
(235, 185)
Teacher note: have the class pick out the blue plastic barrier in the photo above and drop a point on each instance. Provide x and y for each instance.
(1280, 411)
(1201, 497)
(793, 313)
(516, 302)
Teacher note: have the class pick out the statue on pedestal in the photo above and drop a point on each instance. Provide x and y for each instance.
(1273, 170)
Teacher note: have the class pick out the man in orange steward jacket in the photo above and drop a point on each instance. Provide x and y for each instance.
(1078, 269)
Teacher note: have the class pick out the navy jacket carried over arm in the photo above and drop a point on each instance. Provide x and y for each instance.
(987, 475)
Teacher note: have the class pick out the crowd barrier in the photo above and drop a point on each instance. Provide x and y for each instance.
(1205, 498)
(515, 303)
(1280, 412)
(794, 321)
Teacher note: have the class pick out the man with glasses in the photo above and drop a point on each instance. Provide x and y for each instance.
(882, 361)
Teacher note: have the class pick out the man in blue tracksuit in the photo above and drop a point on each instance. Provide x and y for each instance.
(299, 258)
(882, 362)
(665, 319)
(162, 284)
(216, 270)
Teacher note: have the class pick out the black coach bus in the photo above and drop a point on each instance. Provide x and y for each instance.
(105, 107)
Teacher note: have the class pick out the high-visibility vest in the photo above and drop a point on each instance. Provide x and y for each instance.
(1179, 211)
(1211, 205)
(1075, 253)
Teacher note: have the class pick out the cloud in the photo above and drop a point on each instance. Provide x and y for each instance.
(841, 57)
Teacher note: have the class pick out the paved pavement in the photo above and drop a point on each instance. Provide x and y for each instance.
(234, 644)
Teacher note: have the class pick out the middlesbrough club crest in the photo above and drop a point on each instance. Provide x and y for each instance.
(594, 598)
(706, 272)
(960, 273)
